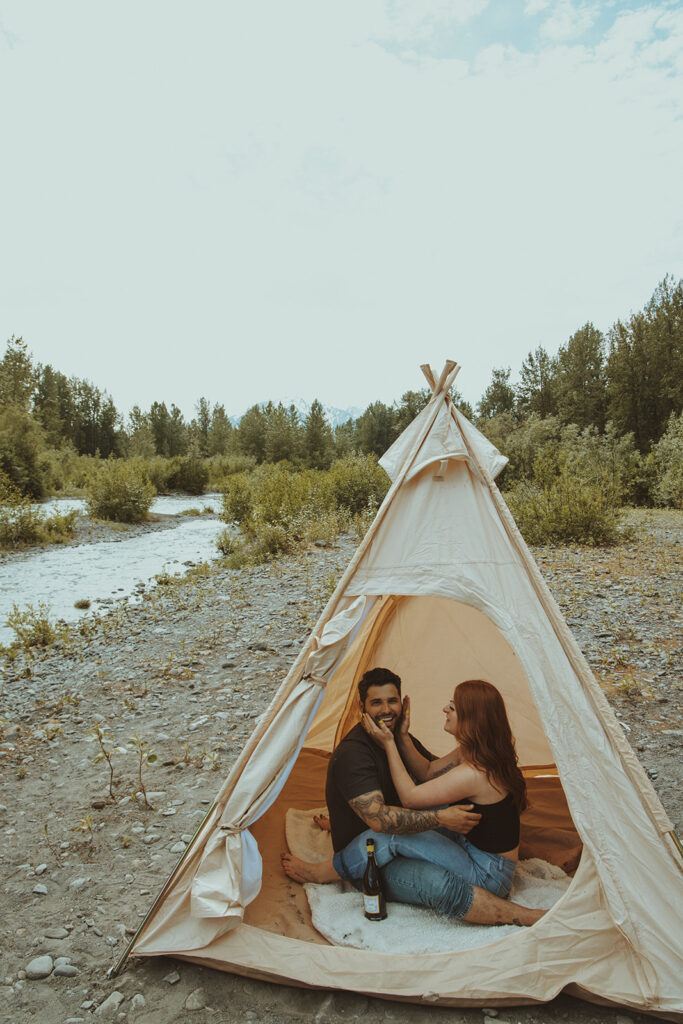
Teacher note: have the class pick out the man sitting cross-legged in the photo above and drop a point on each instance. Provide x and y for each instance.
(360, 795)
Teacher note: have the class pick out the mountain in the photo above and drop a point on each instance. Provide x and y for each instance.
(333, 415)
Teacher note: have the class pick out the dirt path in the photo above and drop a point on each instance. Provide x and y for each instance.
(188, 671)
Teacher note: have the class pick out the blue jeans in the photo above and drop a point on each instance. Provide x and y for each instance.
(437, 870)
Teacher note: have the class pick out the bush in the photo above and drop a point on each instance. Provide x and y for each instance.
(23, 523)
(238, 502)
(667, 459)
(190, 475)
(120, 492)
(560, 508)
(223, 466)
(356, 481)
(33, 628)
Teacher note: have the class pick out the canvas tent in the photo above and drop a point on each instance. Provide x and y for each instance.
(442, 589)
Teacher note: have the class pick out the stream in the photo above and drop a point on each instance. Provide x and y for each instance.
(104, 570)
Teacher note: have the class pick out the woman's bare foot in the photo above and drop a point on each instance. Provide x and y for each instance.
(308, 871)
(323, 822)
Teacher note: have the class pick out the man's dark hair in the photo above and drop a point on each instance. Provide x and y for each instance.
(377, 677)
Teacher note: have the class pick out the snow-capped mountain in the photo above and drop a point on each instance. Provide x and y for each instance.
(333, 415)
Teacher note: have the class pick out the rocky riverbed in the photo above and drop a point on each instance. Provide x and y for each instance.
(187, 671)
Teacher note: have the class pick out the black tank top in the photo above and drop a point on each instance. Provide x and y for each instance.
(498, 830)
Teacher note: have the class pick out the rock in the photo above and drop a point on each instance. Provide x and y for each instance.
(41, 869)
(56, 933)
(137, 1002)
(41, 967)
(78, 883)
(178, 848)
(196, 1000)
(65, 971)
(98, 804)
(150, 838)
(110, 1005)
(172, 978)
(40, 889)
(62, 960)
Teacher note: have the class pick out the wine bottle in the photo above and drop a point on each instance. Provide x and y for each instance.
(373, 897)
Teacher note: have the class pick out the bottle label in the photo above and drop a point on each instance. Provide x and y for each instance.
(371, 904)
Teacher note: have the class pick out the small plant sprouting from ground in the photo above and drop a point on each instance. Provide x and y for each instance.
(86, 826)
(82, 604)
(34, 629)
(100, 734)
(145, 756)
(54, 850)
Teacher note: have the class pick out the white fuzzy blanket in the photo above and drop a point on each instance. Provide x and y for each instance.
(337, 908)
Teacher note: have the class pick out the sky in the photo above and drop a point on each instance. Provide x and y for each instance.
(263, 200)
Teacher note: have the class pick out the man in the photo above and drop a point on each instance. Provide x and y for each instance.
(360, 795)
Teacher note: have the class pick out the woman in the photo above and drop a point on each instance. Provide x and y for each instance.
(482, 769)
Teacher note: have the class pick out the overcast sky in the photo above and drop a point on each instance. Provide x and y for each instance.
(259, 199)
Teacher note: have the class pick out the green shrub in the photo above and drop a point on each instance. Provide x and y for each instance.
(221, 467)
(357, 480)
(190, 475)
(120, 492)
(238, 502)
(33, 628)
(23, 523)
(667, 459)
(563, 509)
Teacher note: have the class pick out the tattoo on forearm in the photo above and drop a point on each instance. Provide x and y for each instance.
(446, 768)
(379, 816)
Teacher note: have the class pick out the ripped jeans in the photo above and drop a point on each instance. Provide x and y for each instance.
(428, 869)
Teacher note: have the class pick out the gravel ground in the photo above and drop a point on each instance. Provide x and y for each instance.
(187, 671)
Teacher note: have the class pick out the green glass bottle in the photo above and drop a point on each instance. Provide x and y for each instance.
(373, 897)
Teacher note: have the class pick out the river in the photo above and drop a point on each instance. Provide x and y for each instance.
(107, 569)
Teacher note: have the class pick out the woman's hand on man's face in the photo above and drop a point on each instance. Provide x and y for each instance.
(379, 732)
(403, 724)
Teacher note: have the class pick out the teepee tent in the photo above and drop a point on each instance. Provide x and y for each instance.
(442, 589)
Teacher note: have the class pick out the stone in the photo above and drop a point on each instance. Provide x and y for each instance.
(41, 869)
(110, 1006)
(137, 1002)
(62, 960)
(65, 971)
(56, 933)
(178, 848)
(172, 978)
(41, 967)
(40, 889)
(78, 883)
(196, 1000)
(98, 804)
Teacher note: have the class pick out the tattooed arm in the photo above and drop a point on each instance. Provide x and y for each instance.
(380, 817)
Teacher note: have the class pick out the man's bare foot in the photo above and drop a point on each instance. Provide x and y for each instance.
(323, 822)
(308, 871)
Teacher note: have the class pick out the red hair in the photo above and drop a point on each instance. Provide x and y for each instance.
(485, 738)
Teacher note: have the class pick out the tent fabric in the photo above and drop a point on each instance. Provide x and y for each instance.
(444, 588)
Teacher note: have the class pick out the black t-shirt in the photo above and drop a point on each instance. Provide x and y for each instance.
(358, 766)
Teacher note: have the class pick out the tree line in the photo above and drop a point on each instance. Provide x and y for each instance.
(628, 383)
